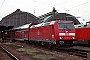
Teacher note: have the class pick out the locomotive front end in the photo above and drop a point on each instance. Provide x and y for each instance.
(65, 32)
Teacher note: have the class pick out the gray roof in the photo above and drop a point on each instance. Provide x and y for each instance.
(60, 16)
(19, 18)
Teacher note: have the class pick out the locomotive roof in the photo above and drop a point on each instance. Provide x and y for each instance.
(38, 25)
(43, 24)
(24, 26)
(48, 23)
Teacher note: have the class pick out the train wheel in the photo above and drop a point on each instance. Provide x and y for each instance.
(68, 43)
(49, 45)
(13, 40)
(42, 43)
(26, 41)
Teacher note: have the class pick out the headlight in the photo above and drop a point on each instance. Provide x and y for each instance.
(72, 34)
(60, 38)
(73, 37)
(52, 36)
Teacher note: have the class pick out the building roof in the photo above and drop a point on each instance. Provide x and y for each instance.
(19, 18)
(54, 15)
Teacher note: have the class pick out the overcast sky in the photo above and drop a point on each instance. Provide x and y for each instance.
(78, 8)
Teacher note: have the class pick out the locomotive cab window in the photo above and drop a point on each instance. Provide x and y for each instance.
(65, 25)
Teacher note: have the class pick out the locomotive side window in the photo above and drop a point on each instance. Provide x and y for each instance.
(52, 27)
(65, 25)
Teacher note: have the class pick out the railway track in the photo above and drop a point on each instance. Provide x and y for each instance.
(8, 53)
(70, 50)
(73, 51)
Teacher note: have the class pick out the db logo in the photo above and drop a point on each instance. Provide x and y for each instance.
(66, 33)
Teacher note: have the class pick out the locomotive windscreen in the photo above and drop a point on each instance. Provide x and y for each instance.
(65, 25)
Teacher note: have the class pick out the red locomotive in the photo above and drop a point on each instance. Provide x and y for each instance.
(53, 33)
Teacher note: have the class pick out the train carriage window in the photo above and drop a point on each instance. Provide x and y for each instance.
(65, 25)
(25, 32)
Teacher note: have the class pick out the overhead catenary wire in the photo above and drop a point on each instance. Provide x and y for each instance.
(60, 4)
(79, 5)
(2, 4)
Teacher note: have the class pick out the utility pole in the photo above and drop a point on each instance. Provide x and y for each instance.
(53, 12)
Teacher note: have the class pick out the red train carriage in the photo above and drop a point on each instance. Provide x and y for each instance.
(9, 35)
(83, 35)
(54, 32)
(22, 32)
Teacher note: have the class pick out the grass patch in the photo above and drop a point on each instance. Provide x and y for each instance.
(21, 49)
(27, 50)
(31, 51)
(37, 54)
(43, 56)
(18, 45)
(6, 43)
